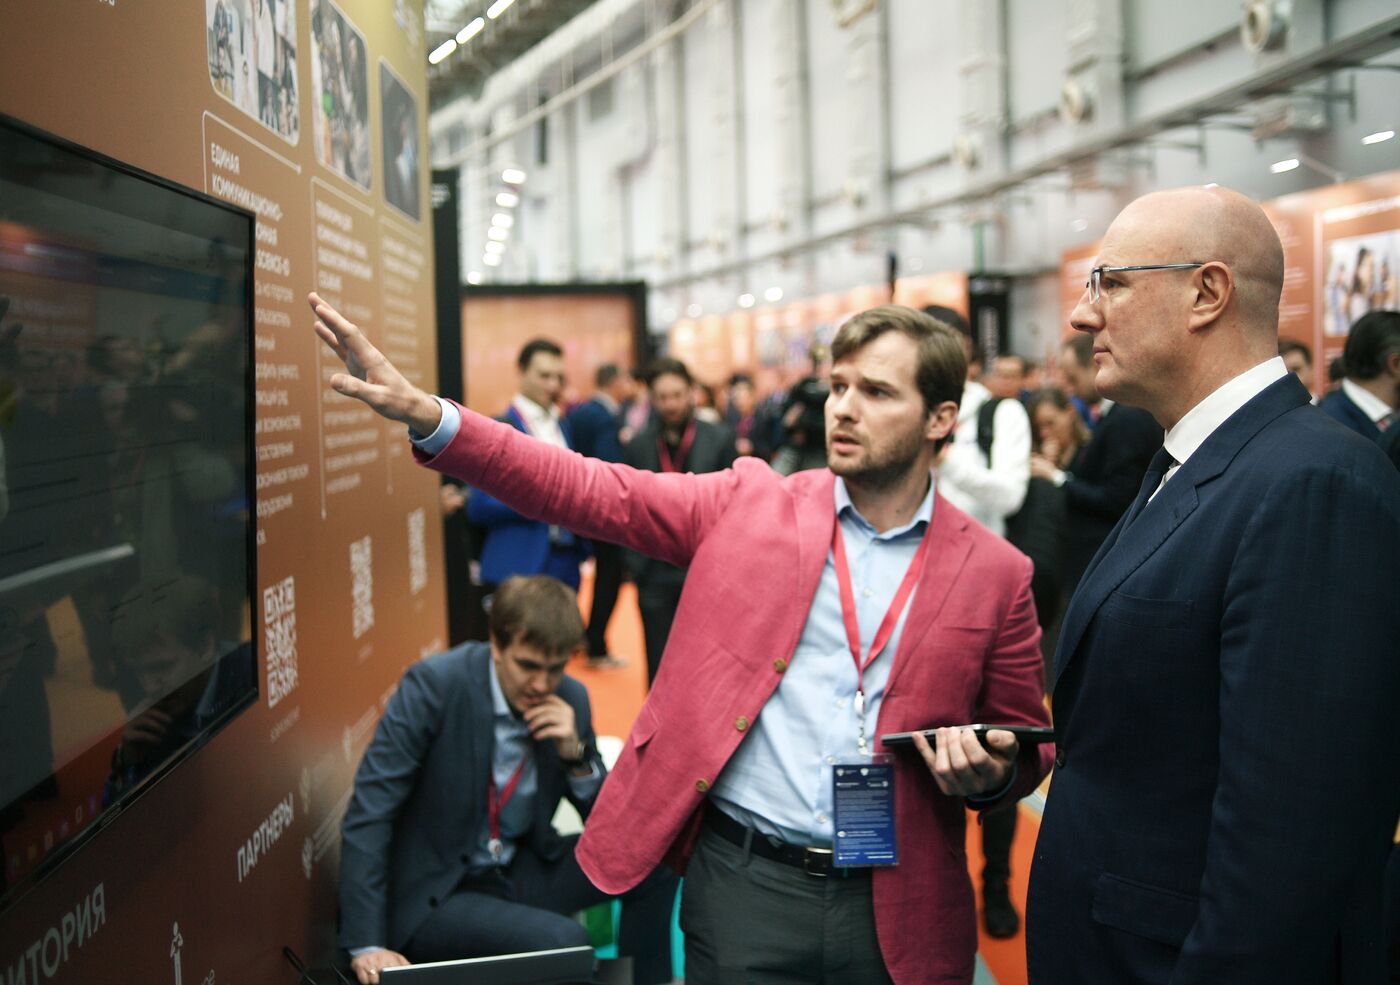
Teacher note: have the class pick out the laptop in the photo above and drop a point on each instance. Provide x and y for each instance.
(564, 966)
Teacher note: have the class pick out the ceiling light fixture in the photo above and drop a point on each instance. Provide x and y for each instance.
(773, 295)
(474, 277)
(507, 200)
(442, 51)
(694, 310)
(496, 232)
(492, 259)
(498, 8)
(1312, 164)
(746, 300)
(503, 220)
(513, 176)
(1379, 137)
(495, 246)
(474, 28)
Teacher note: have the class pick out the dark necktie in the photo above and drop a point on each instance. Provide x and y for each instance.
(1156, 469)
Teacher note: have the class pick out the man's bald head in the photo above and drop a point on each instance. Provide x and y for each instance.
(1186, 225)
(1193, 304)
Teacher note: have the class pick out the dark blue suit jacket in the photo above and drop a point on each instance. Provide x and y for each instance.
(515, 544)
(593, 431)
(1228, 679)
(420, 796)
(1342, 408)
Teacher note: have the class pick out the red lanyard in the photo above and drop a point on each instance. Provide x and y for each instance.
(494, 805)
(848, 611)
(683, 452)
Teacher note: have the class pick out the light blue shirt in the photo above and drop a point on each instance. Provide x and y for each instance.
(447, 429)
(513, 745)
(779, 780)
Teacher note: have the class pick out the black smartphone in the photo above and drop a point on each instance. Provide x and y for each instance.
(1026, 735)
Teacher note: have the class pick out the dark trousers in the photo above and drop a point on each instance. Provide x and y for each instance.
(752, 920)
(998, 831)
(607, 579)
(529, 907)
(658, 598)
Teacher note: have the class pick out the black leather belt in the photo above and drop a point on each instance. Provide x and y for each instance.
(813, 861)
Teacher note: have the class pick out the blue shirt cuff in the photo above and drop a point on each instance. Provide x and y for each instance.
(355, 952)
(585, 787)
(447, 429)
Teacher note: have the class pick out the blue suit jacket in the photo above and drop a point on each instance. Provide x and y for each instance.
(593, 431)
(1342, 408)
(420, 796)
(1228, 678)
(514, 544)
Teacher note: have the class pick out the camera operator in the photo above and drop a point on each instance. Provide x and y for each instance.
(804, 418)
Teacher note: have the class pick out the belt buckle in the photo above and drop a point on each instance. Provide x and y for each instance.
(821, 858)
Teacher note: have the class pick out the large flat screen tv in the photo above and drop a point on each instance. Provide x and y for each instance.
(126, 488)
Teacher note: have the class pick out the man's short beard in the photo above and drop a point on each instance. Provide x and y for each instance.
(888, 474)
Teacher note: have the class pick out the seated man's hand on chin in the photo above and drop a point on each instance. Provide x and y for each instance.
(369, 376)
(366, 966)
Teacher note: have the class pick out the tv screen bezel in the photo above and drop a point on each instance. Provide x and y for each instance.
(13, 892)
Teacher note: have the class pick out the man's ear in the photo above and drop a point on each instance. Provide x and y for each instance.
(941, 421)
(1214, 287)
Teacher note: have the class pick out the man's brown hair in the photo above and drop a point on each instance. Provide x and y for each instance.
(942, 367)
(539, 611)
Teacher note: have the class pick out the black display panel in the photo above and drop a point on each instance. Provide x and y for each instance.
(126, 488)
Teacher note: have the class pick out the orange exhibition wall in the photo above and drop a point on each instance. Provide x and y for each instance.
(233, 855)
(593, 326)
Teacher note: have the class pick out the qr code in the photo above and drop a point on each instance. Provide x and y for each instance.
(280, 630)
(361, 587)
(417, 553)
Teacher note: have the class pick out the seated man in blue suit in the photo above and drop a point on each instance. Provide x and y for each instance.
(447, 847)
(1369, 397)
(1228, 769)
(514, 544)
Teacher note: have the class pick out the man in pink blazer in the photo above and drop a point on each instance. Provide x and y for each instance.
(794, 583)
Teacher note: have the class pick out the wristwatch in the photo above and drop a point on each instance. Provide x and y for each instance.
(585, 753)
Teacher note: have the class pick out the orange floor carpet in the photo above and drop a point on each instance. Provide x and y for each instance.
(617, 696)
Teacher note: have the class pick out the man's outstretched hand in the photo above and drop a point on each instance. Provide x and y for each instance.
(370, 377)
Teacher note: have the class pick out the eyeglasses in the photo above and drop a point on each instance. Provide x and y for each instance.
(1096, 274)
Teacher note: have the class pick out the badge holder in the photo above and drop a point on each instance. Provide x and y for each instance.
(862, 798)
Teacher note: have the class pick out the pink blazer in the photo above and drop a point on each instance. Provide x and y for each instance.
(756, 543)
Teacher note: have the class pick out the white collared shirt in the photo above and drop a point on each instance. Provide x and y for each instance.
(543, 423)
(1201, 421)
(1369, 404)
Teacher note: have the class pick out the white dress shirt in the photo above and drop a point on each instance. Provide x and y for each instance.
(1367, 402)
(542, 422)
(1201, 421)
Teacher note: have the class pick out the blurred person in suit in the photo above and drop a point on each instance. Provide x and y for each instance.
(674, 440)
(1100, 481)
(594, 427)
(514, 544)
(1369, 395)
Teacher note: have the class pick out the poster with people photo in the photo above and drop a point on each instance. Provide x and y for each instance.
(398, 114)
(252, 48)
(1361, 276)
(340, 94)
